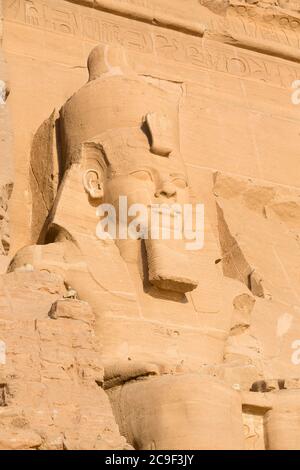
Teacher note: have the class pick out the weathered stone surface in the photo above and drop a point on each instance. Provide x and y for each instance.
(50, 384)
(108, 342)
(6, 160)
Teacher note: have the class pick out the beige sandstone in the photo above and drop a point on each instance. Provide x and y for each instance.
(6, 162)
(118, 343)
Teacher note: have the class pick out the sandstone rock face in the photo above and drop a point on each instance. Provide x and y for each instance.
(178, 329)
(6, 162)
(49, 393)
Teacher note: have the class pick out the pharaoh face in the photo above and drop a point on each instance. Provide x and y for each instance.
(132, 166)
(130, 169)
(149, 184)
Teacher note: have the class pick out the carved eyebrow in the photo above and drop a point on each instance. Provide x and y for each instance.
(178, 175)
(145, 170)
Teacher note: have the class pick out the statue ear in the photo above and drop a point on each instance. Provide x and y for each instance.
(161, 133)
(92, 184)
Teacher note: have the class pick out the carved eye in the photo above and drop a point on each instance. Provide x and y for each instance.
(179, 183)
(143, 175)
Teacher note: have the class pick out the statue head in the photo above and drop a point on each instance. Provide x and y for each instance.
(123, 133)
(106, 61)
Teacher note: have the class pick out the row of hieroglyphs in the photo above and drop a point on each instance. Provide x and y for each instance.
(271, 18)
(261, 23)
(269, 25)
(63, 18)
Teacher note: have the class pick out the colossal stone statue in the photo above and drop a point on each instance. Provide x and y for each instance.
(120, 138)
(172, 329)
(129, 320)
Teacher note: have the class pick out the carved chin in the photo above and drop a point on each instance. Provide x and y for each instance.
(169, 269)
(174, 283)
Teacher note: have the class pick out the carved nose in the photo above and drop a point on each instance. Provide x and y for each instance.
(167, 190)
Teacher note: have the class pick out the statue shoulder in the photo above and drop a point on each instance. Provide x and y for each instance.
(38, 257)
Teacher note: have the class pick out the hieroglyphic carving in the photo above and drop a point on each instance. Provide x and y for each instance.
(253, 429)
(226, 59)
(165, 45)
(112, 33)
(268, 16)
(263, 24)
(268, 25)
(278, 25)
(65, 20)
